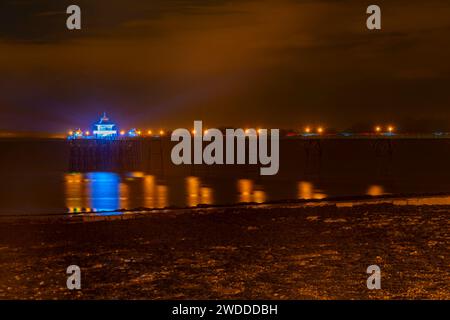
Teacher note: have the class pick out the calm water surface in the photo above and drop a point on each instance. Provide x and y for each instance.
(34, 178)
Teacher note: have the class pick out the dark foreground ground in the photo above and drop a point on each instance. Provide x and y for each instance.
(234, 253)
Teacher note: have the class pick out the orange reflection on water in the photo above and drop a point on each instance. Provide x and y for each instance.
(247, 192)
(149, 191)
(155, 196)
(124, 195)
(162, 196)
(136, 174)
(375, 190)
(196, 194)
(307, 191)
(245, 188)
(75, 192)
(259, 196)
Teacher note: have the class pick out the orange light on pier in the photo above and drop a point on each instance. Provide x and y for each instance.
(161, 132)
(87, 133)
(139, 132)
(149, 132)
(391, 129)
(378, 129)
(122, 133)
(307, 130)
(70, 132)
(320, 130)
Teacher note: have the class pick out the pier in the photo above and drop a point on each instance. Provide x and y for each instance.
(116, 155)
(305, 156)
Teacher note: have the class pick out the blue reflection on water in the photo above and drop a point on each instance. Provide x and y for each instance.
(104, 191)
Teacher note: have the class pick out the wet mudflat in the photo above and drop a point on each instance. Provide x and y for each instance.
(273, 252)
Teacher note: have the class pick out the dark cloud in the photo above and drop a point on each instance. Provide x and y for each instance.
(40, 21)
(273, 63)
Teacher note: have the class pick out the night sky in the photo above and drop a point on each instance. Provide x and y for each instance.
(277, 64)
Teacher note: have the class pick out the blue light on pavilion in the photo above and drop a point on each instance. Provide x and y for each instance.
(105, 128)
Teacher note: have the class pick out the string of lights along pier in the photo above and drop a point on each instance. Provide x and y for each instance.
(106, 129)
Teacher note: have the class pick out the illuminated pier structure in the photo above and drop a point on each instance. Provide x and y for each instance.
(105, 128)
(306, 157)
(108, 148)
(116, 155)
(308, 153)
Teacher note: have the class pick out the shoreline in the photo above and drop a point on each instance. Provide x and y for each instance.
(433, 199)
(253, 252)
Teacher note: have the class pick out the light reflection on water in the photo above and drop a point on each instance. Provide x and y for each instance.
(155, 195)
(108, 191)
(75, 192)
(307, 191)
(196, 193)
(248, 192)
(95, 191)
(375, 190)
